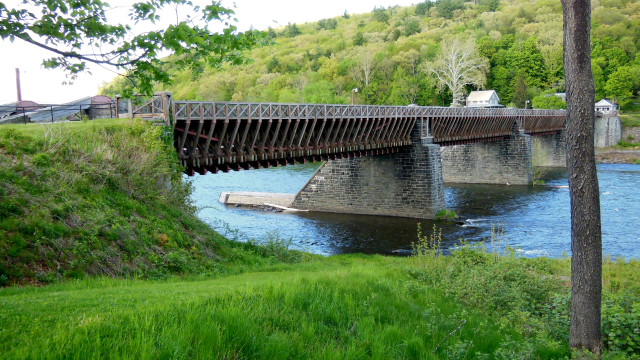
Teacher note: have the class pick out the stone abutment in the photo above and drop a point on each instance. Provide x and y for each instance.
(406, 184)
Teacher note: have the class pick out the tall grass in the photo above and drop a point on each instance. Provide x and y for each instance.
(346, 307)
(101, 198)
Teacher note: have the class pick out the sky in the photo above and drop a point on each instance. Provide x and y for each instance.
(45, 86)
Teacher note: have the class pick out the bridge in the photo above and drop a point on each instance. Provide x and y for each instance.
(378, 160)
(212, 136)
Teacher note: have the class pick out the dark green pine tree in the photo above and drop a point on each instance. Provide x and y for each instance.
(520, 93)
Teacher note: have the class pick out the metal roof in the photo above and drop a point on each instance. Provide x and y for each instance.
(482, 95)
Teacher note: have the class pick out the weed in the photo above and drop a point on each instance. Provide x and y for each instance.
(626, 145)
(446, 214)
(428, 246)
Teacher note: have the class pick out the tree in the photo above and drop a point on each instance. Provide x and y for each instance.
(292, 30)
(346, 16)
(619, 86)
(358, 39)
(380, 15)
(423, 7)
(447, 7)
(457, 66)
(520, 93)
(271, 33)
(586, 232)
(412, 26)
(548, 101)
(364, 68)
(79, 33)
(273, 65)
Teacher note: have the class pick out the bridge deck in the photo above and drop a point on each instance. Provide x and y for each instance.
(220, 135)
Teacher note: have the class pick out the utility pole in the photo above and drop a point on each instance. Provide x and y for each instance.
(353, 96)
(18, 84)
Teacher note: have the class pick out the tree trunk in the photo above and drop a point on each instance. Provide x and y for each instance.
(586, 236)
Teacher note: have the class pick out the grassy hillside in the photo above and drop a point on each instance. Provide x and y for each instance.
(103, 197)
(322, 62)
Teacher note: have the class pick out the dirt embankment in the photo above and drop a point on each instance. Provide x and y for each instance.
(616, 156)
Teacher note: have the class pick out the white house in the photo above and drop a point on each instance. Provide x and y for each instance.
(486, 98)
(604, 106)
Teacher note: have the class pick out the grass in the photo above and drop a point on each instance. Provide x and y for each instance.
(345, 307)
(623, 145)
(630, 120)
(104, 197)
(98, 213)
(446, 214)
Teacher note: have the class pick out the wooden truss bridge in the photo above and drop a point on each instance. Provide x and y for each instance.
(212, 136)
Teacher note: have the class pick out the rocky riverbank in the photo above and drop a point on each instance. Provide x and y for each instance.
(618, 156)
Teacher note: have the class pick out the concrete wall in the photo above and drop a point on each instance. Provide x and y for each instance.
(608, 131)
(549, 150)
(406, 184)
(496, 162)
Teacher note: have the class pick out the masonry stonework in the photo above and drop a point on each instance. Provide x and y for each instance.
(406, 184)
(549, 150)
(495, 162)
(608, 131)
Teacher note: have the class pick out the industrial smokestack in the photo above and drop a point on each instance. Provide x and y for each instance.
(18, 84)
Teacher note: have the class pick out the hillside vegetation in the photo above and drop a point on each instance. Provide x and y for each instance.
(384, 54)
(103, 198)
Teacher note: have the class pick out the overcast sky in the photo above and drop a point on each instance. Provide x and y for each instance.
(45, 86)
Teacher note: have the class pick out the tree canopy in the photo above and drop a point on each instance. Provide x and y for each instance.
(79, 33)
(517, 38)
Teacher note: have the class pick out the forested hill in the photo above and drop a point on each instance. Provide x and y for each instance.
(386, 53)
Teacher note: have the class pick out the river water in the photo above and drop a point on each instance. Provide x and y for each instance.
(534, 220)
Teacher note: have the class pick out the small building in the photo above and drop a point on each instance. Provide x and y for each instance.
(605, 107)
(484, 99)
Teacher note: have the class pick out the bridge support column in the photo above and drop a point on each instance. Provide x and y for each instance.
(495, 162)
(549, 150)
(406, 184)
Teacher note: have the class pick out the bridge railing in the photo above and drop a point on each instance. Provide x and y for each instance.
(217, 134)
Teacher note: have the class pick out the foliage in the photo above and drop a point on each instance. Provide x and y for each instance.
(521, 93)
(292, 30)
(517, 38)
(79, 33)
(446, 8)
(548, 101)
(446, 214)
(423, 7)
(358, 39)
(380, 15)
(457, 66)
(101, 198)
(619, 86)
(530, 296)
(327, 24)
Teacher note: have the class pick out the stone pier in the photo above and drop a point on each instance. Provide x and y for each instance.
(494, 162)
(549, 150)
(406, 184)
(608, 131)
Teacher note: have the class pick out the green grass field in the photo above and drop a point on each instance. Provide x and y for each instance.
(346, 307)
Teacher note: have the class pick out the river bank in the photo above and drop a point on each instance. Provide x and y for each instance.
(618, 156)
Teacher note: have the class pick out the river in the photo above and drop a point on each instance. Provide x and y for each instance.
(534, 220)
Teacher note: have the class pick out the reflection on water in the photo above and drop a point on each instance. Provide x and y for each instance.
(535, 219)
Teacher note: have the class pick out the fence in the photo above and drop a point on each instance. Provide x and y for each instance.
(55, 112)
